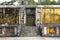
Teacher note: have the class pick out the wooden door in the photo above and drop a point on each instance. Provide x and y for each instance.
(30, 20)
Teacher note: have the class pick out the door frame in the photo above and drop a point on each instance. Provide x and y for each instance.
(25, 16)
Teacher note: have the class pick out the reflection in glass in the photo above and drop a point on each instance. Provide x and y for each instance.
(10, 16)
(51, 18)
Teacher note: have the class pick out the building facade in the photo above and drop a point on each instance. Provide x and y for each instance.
(12, 18)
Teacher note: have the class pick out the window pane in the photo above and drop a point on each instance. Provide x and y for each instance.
(1, 15)
(38, 15)
(46, 15)
(21, 15)
(57, 15)
(50, 30)
(9, 16)
(1, 10)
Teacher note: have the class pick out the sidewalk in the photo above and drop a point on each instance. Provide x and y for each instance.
(51, 38)
(29, 38)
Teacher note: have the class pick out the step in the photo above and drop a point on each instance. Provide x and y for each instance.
(29, 31)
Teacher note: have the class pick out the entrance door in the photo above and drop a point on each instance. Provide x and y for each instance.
(30, 20)
(30, 17)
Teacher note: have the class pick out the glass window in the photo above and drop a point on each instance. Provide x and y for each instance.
(9, 30)
(10, 16)
(51, 16)
(46, 15)
(1, 15)
(57, 15)
(21, 15)
(38, 15)
(51, 30)
(1, 10)
(30, 11)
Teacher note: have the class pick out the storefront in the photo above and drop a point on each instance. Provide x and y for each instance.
(42, 14)
(46, 17)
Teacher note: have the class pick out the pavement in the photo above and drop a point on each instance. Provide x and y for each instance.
(29, 38)
(51, 38)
